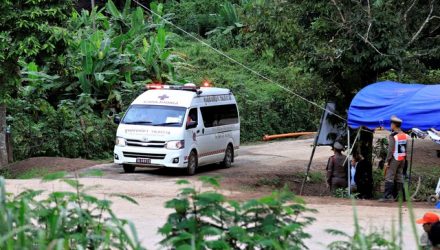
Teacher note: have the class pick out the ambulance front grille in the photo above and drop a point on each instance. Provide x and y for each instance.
(147, 144)
(144, 155)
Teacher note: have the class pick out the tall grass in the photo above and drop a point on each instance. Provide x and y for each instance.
(363, 240)
(62, 220)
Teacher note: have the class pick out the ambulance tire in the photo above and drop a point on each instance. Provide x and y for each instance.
(128, 168)
(229, 157)
(192, 163)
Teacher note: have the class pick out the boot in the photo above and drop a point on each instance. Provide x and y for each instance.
(388, 194)
(400, 191)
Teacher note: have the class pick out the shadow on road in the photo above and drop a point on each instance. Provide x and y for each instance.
(174, 172)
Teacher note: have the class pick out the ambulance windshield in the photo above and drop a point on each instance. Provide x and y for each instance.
(154, 115)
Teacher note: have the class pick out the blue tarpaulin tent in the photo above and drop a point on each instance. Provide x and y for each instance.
(417, 105)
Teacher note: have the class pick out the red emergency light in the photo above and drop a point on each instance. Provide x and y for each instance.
(206, 84)
(155, 86)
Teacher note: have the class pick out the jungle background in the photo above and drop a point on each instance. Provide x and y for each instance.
(66, 67)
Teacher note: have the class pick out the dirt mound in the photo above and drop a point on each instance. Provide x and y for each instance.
(47, 165)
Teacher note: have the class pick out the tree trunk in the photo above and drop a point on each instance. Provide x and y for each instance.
(9, 146)
(3, 147)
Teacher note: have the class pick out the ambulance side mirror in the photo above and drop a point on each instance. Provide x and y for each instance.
(117, 119)
(191, 124)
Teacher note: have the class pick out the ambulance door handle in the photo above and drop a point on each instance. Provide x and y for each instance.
(203, 130)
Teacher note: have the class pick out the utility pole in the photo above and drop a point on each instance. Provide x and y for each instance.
(3, 145)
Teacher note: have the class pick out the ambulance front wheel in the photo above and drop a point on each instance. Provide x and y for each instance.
(128, 168)
(192, 163)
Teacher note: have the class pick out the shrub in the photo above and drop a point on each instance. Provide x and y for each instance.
(429, 176)
(40, 129)
(343, 193)
(207, 220)
(62, 220)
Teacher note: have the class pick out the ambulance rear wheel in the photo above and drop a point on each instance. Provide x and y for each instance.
(229, 156)
(192, 163)
(128, 168)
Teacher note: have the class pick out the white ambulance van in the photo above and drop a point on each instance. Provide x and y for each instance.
(178, 127)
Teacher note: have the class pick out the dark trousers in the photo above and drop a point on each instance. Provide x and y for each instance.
(338, 183)
(394, 179)
(395, 171)
(365, 190)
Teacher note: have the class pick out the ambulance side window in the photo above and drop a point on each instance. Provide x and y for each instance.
(214, 116)
(192, 114)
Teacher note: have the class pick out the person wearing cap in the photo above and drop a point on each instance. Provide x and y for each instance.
(337, 168)
(427, 221)
(395, 161)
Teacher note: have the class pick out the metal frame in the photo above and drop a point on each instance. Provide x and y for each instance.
(349, 160)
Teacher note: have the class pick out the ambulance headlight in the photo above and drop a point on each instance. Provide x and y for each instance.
(120, 142)
(175, 144)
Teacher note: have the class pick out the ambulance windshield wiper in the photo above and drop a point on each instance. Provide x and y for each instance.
(168, 124)
(139, 122)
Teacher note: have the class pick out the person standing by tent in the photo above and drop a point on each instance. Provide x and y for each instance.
(362, 176)
(337, 168)
(395, 160)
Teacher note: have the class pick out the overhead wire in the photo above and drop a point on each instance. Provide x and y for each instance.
(252, 71)
(237, 62)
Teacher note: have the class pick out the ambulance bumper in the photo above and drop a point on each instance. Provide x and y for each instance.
(149, 157)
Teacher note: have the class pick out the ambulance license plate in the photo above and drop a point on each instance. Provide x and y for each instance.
(143, 160)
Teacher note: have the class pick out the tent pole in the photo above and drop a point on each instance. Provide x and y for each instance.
(308, 166)
(349, 161)
(411, 161)
(313, 153)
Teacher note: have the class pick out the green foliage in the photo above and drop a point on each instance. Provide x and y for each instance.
(314, 176)
(113, 56)
(271, 182)
(64, 72)
(349, 44)
(195, 16)
(207, 220)
(429, 176)
(62, 220)
(343, 193)
(40, 129)
(273, 28)
(31, 30)
(227, 33)
(33, 173)
(105, 63)
(378, 180)
(264, 107)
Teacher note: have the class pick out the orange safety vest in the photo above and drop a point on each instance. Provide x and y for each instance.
(400, 146)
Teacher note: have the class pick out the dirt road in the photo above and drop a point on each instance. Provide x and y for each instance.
(152, 188)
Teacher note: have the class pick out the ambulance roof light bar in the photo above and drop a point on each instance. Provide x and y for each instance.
(187, 86)
(154, 86)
